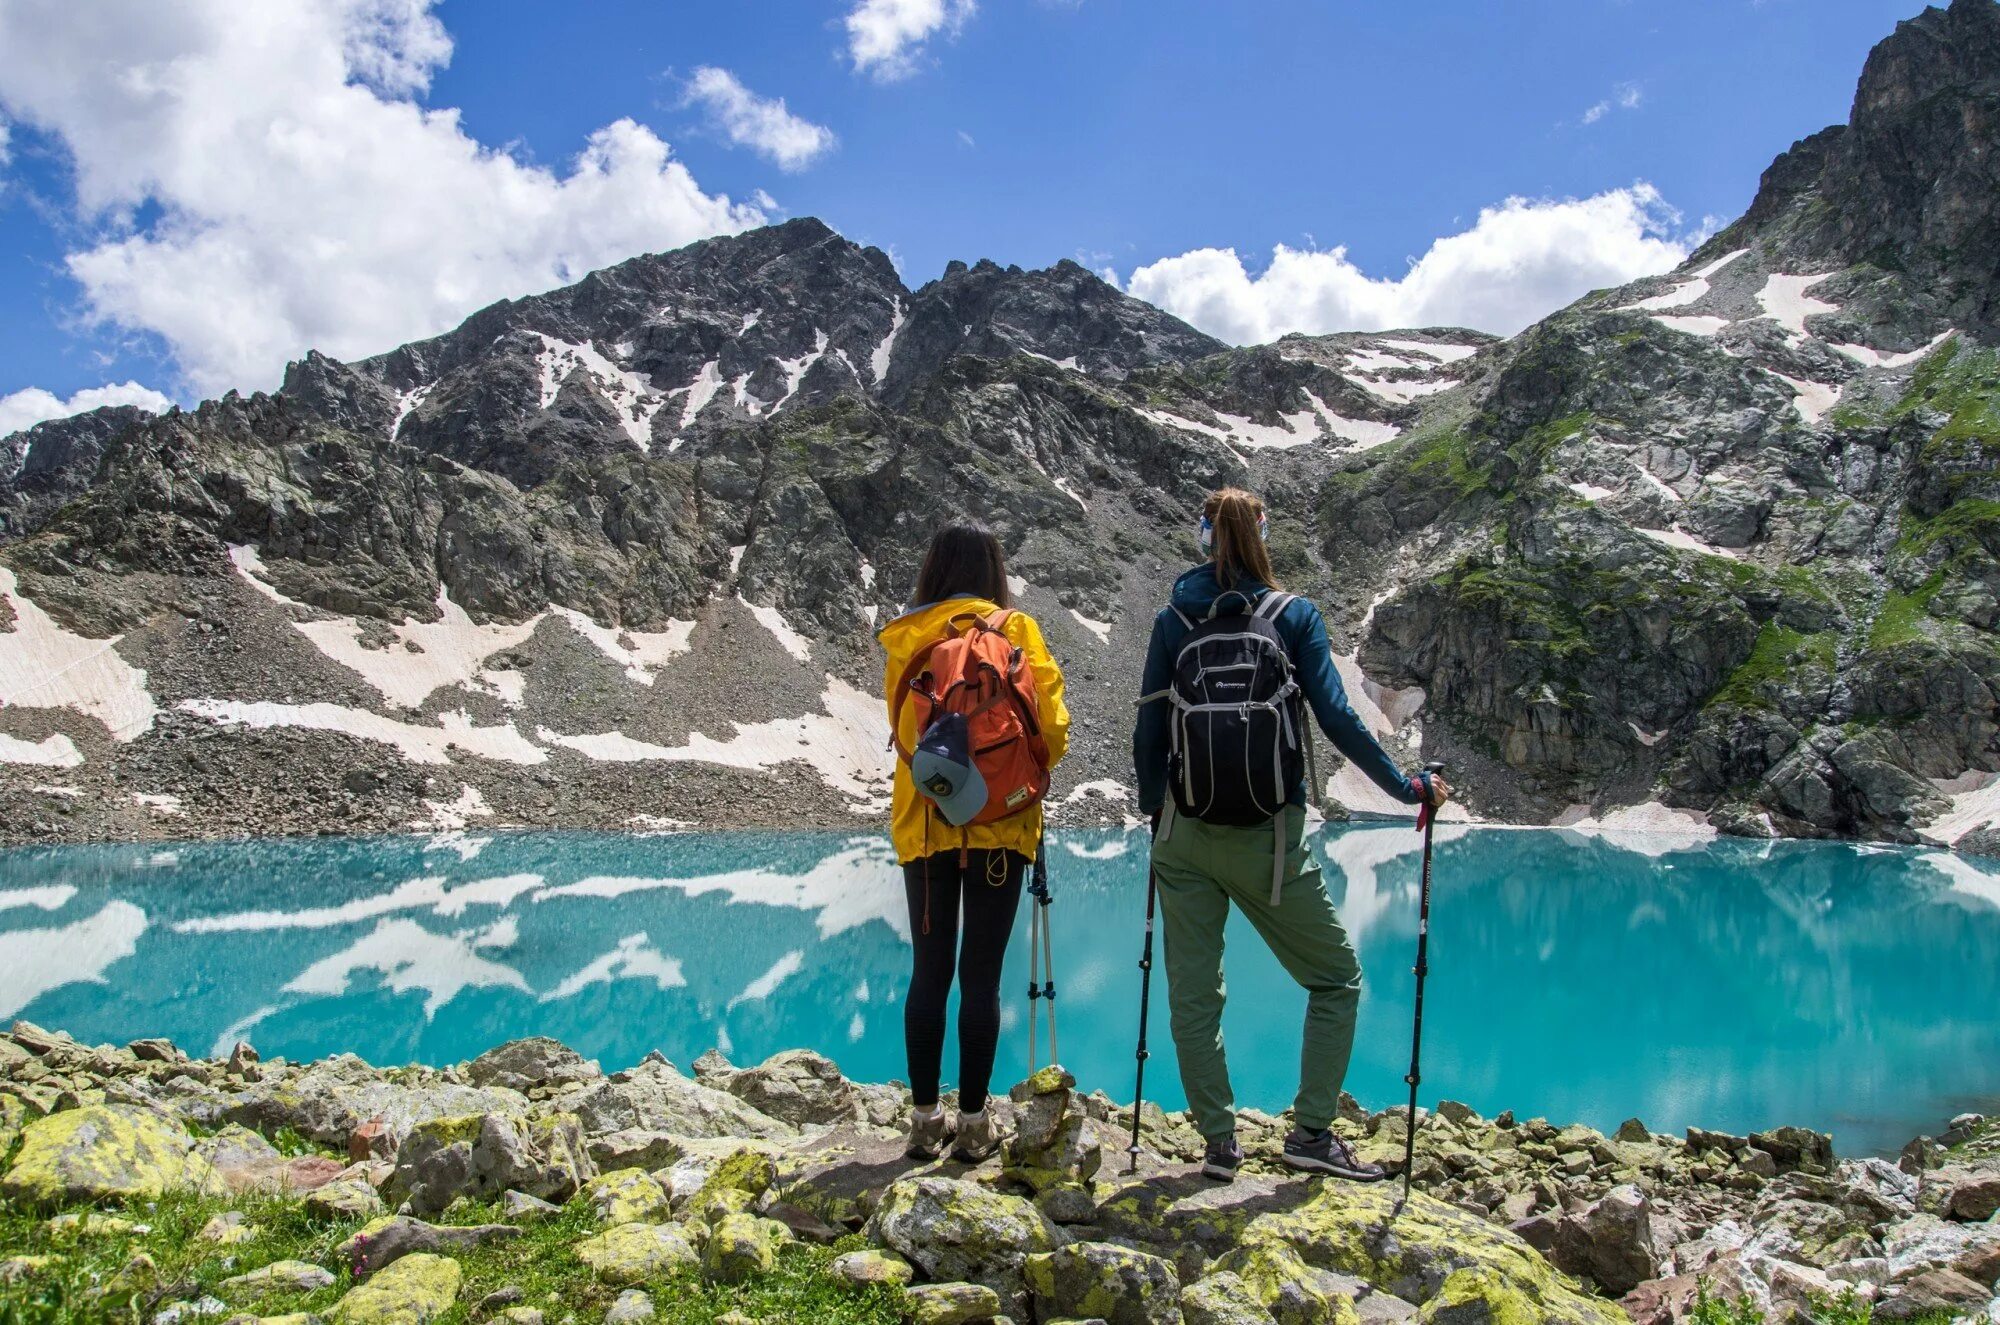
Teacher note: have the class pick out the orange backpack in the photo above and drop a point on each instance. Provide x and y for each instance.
(975, 671)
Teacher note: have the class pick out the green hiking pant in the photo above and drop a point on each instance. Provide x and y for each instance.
(1200, 869)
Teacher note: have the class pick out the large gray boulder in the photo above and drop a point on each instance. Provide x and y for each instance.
(326, 1101)
(1610, 1241)
(798, 1087)
(653, 1097)
(480, 1156)
(536, 1062)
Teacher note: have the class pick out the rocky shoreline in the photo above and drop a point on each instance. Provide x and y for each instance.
(528, 1186)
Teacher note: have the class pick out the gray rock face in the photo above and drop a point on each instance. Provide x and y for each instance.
(480, 1157)
(328, 1100)
(525, 1065)
(1610, 1240)
(797, 1086)
(1724, 537)
(654, 1097)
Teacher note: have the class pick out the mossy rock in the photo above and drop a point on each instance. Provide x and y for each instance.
(1412, 1252)
(950, 1304)
(866, 1269)
(627, 1196)
(100, 1152)
(951, 1229)
(414, 1291)
(739, 1247)
(634, 1253)
(1222, 1299)
(278, 1279)
(1116, 1284)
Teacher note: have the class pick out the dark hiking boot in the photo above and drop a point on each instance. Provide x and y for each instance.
(928, 1134)
(978, 1137)
(1323, 1152)
(1222, 1159)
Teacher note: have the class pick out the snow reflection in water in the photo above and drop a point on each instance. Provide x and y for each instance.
(1580, 976)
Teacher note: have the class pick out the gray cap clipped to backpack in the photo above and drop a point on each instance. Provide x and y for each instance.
(942, 768)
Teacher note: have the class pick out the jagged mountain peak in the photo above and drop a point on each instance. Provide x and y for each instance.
(1907, 184)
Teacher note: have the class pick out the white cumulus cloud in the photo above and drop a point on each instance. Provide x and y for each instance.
(6, 138)
(763, 124)
(26, 408)
(1519, 262)
(254, 182)
(886, 38)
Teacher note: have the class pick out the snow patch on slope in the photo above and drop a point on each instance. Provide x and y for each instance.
(631, 394)
(43, 666)
(846, 745)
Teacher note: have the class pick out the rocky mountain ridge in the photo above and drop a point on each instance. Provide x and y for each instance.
(1715, 550)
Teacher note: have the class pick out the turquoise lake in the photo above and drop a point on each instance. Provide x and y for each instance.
(1733, 985)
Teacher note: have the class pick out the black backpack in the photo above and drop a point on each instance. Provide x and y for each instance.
(1238, 734)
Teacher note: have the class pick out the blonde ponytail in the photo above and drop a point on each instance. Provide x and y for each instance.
(1237, 519)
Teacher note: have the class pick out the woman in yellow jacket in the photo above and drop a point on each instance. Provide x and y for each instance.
(963, 884)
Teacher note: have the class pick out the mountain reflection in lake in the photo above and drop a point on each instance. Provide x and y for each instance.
(1735, 985)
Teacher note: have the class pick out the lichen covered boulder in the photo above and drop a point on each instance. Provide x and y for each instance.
(950, 1304)
(1222, 1298)
(738, 1247)
(654, 1097)
(100, 1152)
(1098, 1279)
(479, 1156)
(865, 1269)
(278, 1279)
(1411, 1253)
(627, 1196)
(414, 1291)
(955, 1230)
(634, 1253)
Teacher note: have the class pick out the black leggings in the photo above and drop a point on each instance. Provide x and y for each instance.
(988, 891)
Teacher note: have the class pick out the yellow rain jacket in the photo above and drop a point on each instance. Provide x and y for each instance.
(914, 825)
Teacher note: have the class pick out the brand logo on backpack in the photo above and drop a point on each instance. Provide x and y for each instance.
(1237, 726)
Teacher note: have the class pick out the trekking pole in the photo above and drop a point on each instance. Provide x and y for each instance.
(1041, 953)
(1426, 821)
(1145, 1003)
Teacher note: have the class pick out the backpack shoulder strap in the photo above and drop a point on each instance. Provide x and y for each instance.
(905, 686)
(1273, 604)
(1187, 622)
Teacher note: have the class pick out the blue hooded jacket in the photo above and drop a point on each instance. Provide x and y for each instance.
(1304, 634)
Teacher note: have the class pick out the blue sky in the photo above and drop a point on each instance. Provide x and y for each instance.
(1123, 133)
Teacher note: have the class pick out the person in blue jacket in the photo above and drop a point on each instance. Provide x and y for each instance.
(1201, 868)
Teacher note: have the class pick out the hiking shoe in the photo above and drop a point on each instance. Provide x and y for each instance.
(978, 1137)
(1323, 1152)
(928, 1133)
(1222, 1158)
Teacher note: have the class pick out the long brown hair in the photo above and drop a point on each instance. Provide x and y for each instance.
(964, 559)
(1236, 517)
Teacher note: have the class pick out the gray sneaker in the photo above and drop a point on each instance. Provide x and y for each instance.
(928, 1134)
(1222, 1158)
(978, 1136)
(1323, 1152)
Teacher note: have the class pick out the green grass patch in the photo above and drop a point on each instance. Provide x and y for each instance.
(1904, 618)
(1967, 523)
(1445, 460)
(1842, 1309)
(540, 1263)
(1778, 654)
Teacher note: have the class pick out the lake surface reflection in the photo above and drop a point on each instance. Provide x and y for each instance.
(1734, 985)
